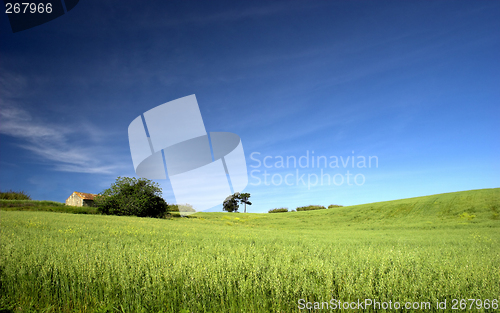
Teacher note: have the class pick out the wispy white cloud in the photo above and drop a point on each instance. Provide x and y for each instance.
(51, 142)
(18, 123)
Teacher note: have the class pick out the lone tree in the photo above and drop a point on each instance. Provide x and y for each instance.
(232, 203)
(132, 196)
(244, 199)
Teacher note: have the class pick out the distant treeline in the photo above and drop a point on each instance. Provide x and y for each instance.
(14, 195)
(304, 208)
(53, 206)
(48, 206)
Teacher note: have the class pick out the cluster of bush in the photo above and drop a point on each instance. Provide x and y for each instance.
(132, 196)
(310, 208)
(138, 197)
(278, 210)
(14, 195)
(305, 208)
(180, 208)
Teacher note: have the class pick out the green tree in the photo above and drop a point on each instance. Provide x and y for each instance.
(244, 199)
(132, 196)
(232, 202)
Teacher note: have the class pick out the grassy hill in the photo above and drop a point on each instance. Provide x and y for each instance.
(419, 250)
(475, 206)
(448, 209)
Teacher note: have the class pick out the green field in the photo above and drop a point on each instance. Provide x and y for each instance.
(440, 247)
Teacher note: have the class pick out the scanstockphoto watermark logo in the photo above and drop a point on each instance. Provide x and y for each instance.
(310, 170)
(203, 168)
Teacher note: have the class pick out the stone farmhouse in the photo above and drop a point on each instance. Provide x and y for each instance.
(81, 199)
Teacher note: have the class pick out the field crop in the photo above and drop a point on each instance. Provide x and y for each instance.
(441, 247)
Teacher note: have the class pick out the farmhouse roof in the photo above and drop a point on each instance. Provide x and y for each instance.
(85, 196)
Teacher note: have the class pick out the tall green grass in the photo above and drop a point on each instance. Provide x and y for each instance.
(223, 262)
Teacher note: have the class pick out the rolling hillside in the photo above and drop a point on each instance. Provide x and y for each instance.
(480, 207)
(414, 252)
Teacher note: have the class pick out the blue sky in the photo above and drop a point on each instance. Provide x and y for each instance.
(414, 83)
